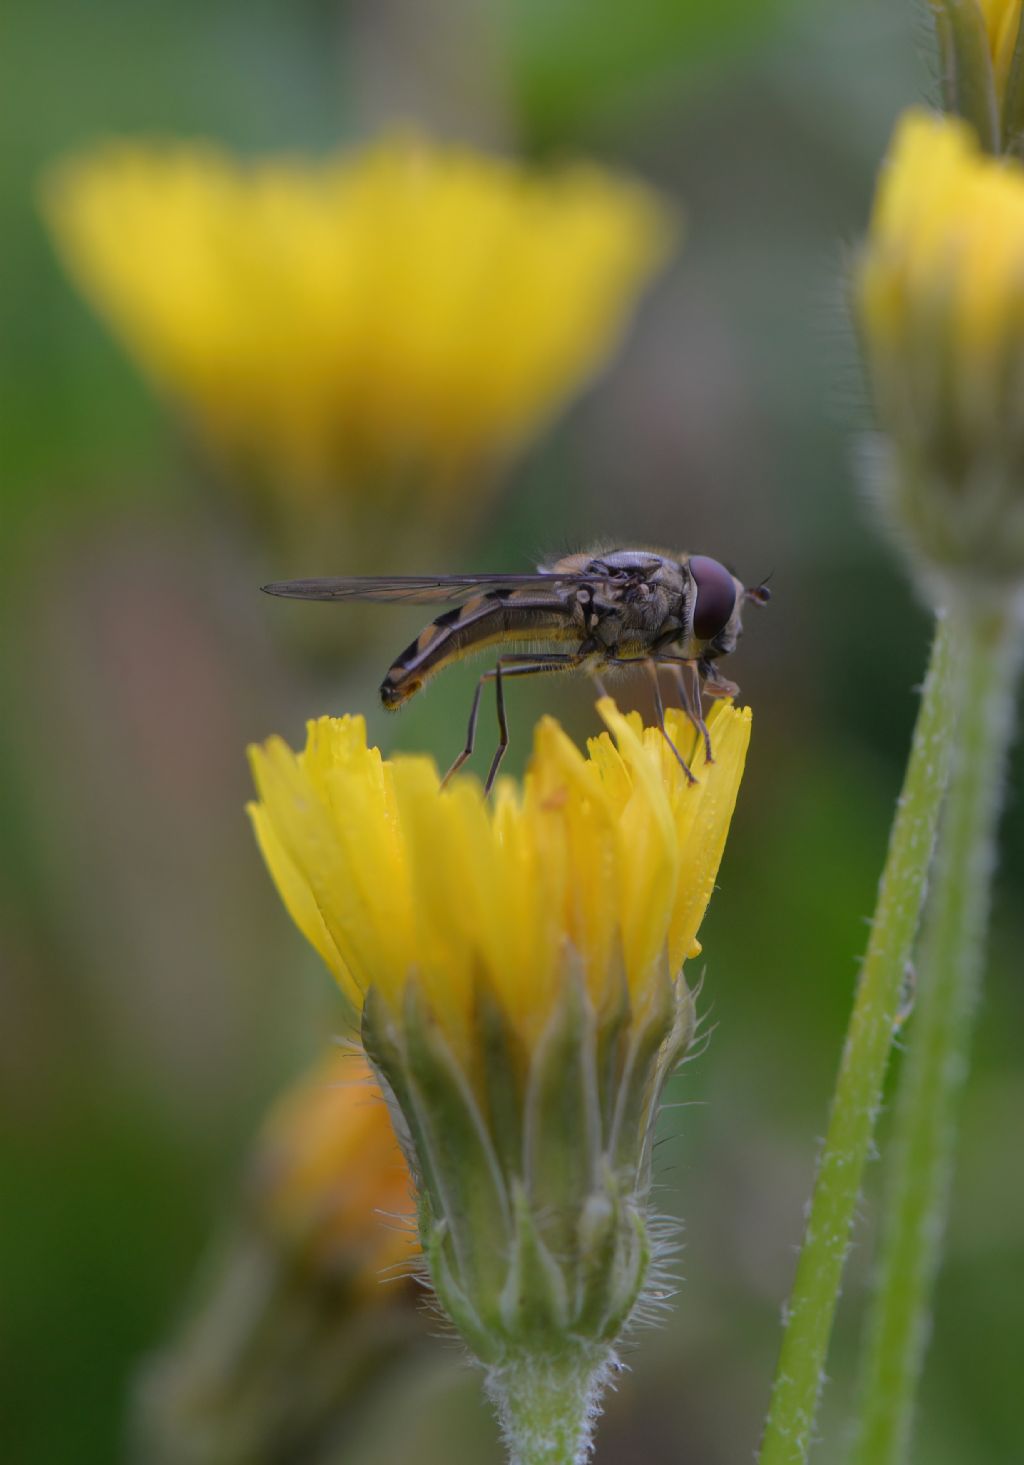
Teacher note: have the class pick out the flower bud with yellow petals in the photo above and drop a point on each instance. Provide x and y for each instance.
(939, 302)
(327, 1179)
(305, 1296)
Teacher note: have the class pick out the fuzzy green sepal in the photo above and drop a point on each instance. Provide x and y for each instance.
(968, 84)
(534, 1167)
(1013, 101)
(563, 1116)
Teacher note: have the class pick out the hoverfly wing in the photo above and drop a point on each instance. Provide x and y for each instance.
(414, 589)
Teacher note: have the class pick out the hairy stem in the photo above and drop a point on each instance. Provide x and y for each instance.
(547, 1406)
(920, 1162)
(858, 1091)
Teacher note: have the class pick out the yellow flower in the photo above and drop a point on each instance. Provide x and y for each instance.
(939, 296)
(516, 970)
(401, 310)
(328, 1178)
(612, 855)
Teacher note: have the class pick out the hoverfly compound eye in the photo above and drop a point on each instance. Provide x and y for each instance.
(716, 596)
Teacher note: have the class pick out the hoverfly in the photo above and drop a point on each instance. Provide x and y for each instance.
(627, 607)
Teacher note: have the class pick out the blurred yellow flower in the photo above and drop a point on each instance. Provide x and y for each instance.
(303, 1297)
(946, 244)
(939, 296)
(328, 1178)
(401, 312)
(613, 855)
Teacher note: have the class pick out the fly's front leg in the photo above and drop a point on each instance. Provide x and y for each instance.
(688, 679)
(507, 666)
(651, 664)
(693, 677)
(659, 708)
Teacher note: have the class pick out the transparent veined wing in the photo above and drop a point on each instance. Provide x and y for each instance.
(417, 589)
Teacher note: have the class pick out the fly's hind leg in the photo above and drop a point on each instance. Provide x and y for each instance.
(518, 666)
(507, 666)
(474, 712)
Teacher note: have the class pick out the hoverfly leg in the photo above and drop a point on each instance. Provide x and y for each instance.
(689, 690)
(519, 665)
(599, 685)
(659, 708)
(501, 749)
(516, 665)
(467, 751)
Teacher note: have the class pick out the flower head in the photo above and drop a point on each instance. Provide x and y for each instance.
(391, 878)
(939, 299)
(516, 967)
(401, 310)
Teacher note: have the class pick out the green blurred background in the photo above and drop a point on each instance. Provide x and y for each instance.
(154, 995)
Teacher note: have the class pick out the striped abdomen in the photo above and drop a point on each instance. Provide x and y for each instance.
(488, 620)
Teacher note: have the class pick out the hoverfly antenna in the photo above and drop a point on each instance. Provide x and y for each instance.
(760, 594)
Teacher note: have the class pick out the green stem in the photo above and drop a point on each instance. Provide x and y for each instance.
(547, 1405)
(862, 1070)
(920, 1164)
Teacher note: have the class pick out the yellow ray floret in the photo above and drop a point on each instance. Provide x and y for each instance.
(943, 267)
(611, 855)
(400, 307)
